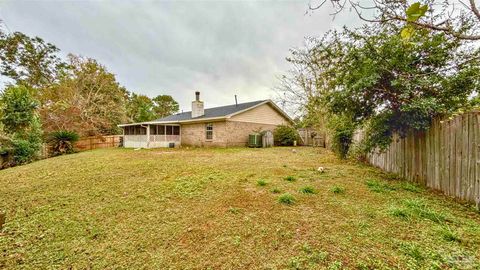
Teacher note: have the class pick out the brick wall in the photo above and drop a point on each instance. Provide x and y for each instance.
(238, 131)
(225, 133)
(194, 135)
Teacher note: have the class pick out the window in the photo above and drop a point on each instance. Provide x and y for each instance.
(161, 130)
(209, 131)
(176, 130)
(153, 129)
(135, 130)
(139, 130)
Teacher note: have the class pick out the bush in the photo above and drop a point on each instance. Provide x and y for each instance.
(20, 129)
(23, 151)
(62, 142)
(290, 178)
(19, 150)
(342, 129)
(285, 135)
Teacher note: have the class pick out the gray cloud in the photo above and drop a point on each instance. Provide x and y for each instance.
(218, 48)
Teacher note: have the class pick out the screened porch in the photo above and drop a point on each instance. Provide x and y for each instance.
(151, 135)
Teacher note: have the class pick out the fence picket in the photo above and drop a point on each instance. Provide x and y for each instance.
(446, 157)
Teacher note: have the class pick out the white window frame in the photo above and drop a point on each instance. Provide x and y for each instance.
(209, 131)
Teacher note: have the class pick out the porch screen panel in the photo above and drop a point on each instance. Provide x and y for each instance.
(153, 129)
(176, 130)
(140, 130)
(161, 130)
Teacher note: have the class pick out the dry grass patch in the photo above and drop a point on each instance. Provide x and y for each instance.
(204, 209)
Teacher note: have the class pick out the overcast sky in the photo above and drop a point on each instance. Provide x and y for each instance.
(218, 48)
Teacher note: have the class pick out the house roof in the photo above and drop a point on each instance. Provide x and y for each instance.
(211, 112)
(216, 113)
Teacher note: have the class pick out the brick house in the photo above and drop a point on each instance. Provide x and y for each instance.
(220, 126)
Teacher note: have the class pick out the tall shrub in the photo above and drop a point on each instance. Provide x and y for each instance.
(285, 135)
(342, 129)
(21, 129)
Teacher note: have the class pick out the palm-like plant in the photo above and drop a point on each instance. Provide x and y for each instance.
(62, 142)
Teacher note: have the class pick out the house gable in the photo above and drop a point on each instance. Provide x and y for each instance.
(262, 114)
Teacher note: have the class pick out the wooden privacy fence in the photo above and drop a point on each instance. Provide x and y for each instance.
(311, 137)
(87, 143)
(446, 157)
(94, 142)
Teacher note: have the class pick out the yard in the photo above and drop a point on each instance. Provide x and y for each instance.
(226, 209)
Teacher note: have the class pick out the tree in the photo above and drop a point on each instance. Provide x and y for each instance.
(21, 133)
(452, 17)
(376, 78)
(18, 109)
(398, 86)
(140, 108)
(87, 100)
(165, 105)
(29, 61)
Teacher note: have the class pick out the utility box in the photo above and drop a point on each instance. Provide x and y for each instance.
(255, 140)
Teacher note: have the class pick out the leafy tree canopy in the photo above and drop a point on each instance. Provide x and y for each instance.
(29, 60)
(375, 77)
(399, 85)
(141, 108)
(165, 105)
(20, 133)
(87, 99)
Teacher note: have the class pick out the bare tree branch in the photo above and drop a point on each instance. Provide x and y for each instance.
(461, 21)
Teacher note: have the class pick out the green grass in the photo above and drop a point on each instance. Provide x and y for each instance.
(449, 235)
(417, 208)
(410, 187)
(276, 190)
(201, 209)
(261, 183)
(286, 198)
(338, 190)
(378, 186)
(290, 178)
(308, 190)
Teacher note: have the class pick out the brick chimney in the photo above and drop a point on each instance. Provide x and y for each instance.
(197, 106)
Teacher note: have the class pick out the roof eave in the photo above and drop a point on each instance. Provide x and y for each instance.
(190, 121)
(268, 101)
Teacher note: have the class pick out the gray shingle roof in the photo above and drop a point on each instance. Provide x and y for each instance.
(211, 112)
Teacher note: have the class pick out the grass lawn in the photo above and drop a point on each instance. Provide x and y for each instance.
(226, 209)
